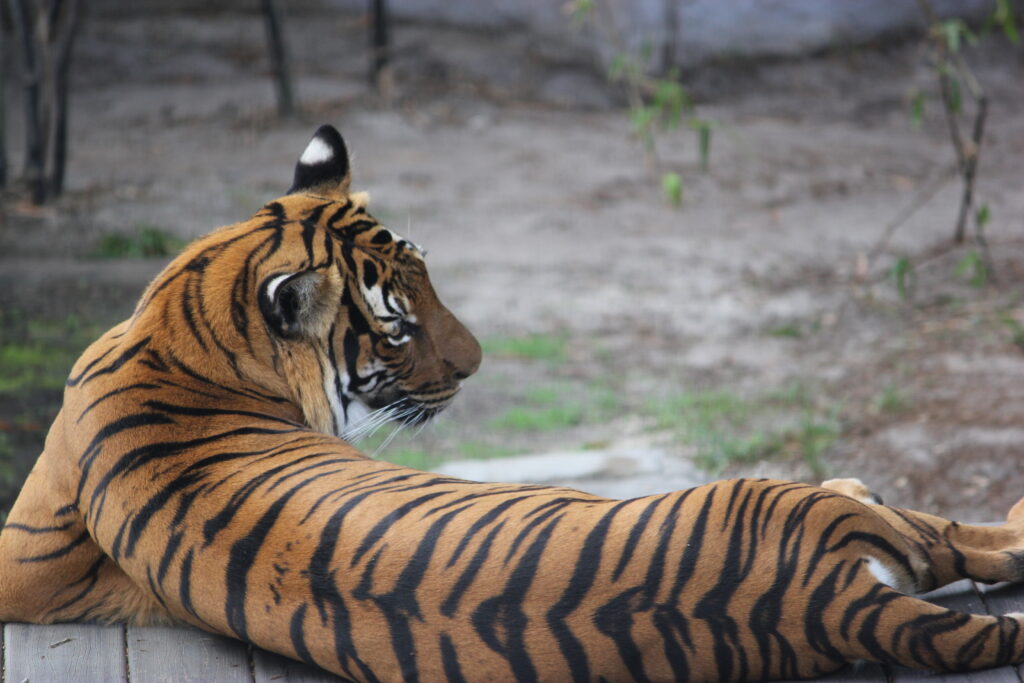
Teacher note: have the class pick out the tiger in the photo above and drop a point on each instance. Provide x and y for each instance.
(200, 472)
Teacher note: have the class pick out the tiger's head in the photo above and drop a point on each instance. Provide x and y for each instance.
(315, 300)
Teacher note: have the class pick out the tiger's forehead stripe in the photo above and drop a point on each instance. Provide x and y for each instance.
(350, 220)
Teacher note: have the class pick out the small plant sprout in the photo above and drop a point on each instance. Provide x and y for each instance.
(902, 273)
(889, 400)
(672, 186)
(658, 101)
(1016, 331)
(703, 127)
(973, 269)
(916, 108)
(1004, 17)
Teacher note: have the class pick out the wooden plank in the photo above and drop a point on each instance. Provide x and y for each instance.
(860, 672)
(269, 667)
(1001, 598)
(166, 654)
(64, 652)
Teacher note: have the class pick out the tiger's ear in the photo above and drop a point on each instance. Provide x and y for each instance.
(298, 304)
(323, 167)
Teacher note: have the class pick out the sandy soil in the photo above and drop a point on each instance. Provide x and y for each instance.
(521, 178)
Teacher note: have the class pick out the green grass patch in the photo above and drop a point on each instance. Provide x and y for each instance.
(1016, 331)
(539, 419)
(478, 450)
(8, 472)
(38, 354)
(146, 241)
(788, 331)
(410, 457)
(889, 400)
(544, 347)
(727, 429)
(559, 406)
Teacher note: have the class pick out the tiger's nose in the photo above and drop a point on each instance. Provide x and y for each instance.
(468, 361)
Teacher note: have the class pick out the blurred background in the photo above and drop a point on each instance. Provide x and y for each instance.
(696, 238)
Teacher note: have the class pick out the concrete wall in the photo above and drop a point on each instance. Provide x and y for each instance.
(704, 29)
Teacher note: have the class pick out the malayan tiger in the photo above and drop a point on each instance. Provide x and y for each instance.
(198, 472)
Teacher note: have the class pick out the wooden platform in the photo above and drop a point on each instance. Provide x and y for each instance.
(108, 654)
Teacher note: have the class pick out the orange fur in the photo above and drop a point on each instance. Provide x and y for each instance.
(196, 473)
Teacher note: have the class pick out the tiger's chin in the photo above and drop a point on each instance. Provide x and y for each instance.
(363, 418)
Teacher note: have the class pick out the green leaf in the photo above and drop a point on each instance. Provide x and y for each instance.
(669, 99)
(672, 186)
(617, 69)
(981, 217)
(642, 118)
(955, 32)
(703, 128)
(972, 268)
(952, 35)
(580, 11)
(1005, 18)
(903, 273)
(917, 108)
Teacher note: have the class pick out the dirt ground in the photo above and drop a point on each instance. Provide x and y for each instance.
(746, 332)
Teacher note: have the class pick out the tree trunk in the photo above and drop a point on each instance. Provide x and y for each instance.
(35, 145)
(380, 66)
(279, 58)
(65, 27)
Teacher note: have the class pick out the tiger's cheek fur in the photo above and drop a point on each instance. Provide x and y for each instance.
(308, 381)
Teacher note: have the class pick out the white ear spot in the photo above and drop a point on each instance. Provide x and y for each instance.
(275, 283)
(360, 199)
(317, 152)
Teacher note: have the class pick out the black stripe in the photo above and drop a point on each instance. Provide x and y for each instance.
(451, 603)
(500, 621)
(90, 578)
(59, 552)
(392, 518)
(634, 536)
(450, 661)
(297, 631)
(240, 560)
(115, 392)
(39, 529)
(582, 580)
(172, 547)
(125, 356)
(73, 381)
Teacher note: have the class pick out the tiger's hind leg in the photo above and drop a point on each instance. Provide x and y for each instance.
(952, 551)
(51, 570)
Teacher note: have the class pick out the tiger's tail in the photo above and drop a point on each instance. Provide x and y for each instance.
(887, 626)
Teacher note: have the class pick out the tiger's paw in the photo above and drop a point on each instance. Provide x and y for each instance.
(855, 488)
(1016, 513)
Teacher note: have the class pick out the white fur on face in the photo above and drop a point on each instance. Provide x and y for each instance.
(317, 152)
(357, 414)
(337, 409)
